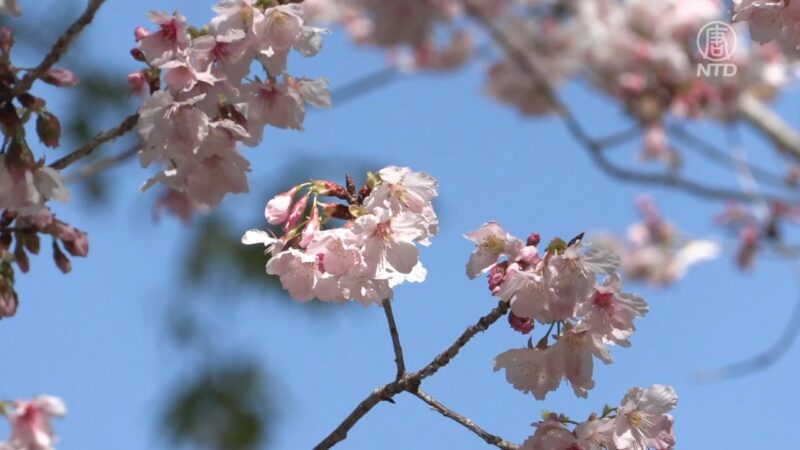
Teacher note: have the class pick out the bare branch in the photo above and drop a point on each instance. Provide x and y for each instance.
(755, 112)
(446, 356)
(595, 147)
(101, 138)
(340, 433)
(398, 348)
(490, 439)
(410, 382)
(714, 154)
(101, 164)
(761, 361)
(57, 51)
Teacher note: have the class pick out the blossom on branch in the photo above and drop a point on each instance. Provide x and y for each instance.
(375, 249)
(558, 289)
(193, 126)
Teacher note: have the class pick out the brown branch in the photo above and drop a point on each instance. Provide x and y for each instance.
(398, 348)
(446, 356)
(101, 138)
(340, 433)
(57, 51)
(490, 439)
(410, 382)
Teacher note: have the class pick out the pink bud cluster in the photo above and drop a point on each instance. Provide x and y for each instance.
(373, 250)
(26, 183)
(653, 249)
(30, 423)
(407, 28)
(193, 125)
(640, 422)
(560, 290)
(757, 230)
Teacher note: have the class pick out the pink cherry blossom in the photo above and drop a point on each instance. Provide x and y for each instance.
(30, 423)
(277, 210)
(529, 370)
(166, 43)
(642, 421)
(492, 241)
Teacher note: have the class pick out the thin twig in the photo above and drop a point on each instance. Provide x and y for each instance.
(100, 139)
(101, 164)
(398, 348)
(490, 438)
(57, 51)
(714, 154)
(410, 382)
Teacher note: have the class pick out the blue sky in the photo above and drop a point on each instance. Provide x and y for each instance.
(98, 338)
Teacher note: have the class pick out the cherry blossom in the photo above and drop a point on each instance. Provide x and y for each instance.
(375, 250)
(492, 242)
(30, 423)
(559, 289)
(192, 127)
(653, 249)
(642, 421)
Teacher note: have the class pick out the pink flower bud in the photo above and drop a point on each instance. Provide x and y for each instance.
(296, 213)
(137, 83)
(496, 276)
(78, 246)
(278, 208)
(60, 78)
(137, 54)
(6, 39)
(534, 239)
(524, 326)
(140, 33)
(62, 262)
(748, 244)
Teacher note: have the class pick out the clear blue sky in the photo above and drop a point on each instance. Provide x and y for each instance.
(97, 337)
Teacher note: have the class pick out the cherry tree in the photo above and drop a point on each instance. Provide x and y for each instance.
(206, 91)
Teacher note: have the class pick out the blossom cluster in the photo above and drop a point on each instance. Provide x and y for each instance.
(30, 423)
(374, 249)
(771, 21)
(193, 124)
(758, 229)
(27, 183)
(641, 52)
(653, 249)
(409, 29)
(558, 289)
(640, 422)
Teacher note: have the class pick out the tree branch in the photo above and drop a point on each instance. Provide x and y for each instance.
(398, 348)
(101, 138)
(57, 51)
(410, 382)
(446, 356)
(593, 146)
(755, 112)
(490, 439)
